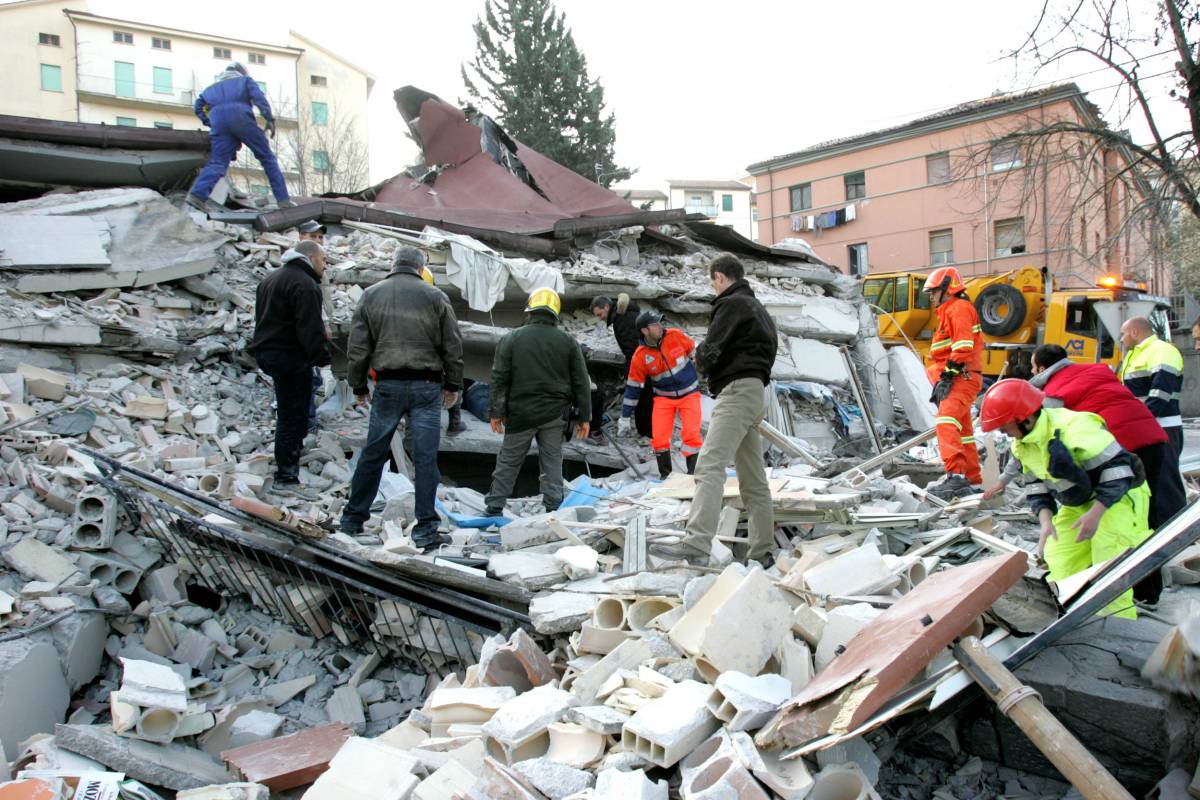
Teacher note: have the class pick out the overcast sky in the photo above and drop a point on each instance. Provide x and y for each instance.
(700, 89)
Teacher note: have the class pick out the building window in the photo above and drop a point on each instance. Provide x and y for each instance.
(123, 79)
(941, 247)
(858, 259)
(128, 122)
(856, 185)
(937, 168)
(801, 196)
(160, 44)
(318, 80)
(162, 81)
(727, 202)
(1010, 236)
(164, 126)
(121, 37)
(320, 161)
(320, 113)
(223, 53)
(256, 58)
(51, 78)
(50, 39)
(1005, 155)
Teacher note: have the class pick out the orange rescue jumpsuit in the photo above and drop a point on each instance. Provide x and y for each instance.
(958, 338)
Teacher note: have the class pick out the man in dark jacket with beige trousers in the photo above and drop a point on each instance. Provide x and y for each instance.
(405, 330)
(737, 356)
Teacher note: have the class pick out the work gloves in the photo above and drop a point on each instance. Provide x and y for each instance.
(270, 129)
(624, 425)
(941, 389)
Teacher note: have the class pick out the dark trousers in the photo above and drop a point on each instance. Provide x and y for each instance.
(421, 403)
(1167, 498)
(643, 412)
(292, 377)
(1175, 438)
(312, 399)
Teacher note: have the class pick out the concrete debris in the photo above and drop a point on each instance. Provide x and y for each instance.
(545, 654)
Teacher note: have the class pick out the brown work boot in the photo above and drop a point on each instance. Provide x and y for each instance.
(685, 550)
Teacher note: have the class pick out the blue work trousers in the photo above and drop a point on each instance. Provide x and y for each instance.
(232, 126)
(421, 402)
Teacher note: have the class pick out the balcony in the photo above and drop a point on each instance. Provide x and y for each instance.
(138, 94)
(708, 211)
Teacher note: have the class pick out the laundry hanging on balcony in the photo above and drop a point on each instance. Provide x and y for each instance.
(824, 220)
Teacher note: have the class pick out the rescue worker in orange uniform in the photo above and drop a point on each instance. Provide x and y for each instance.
(665, 357)
(955, 368)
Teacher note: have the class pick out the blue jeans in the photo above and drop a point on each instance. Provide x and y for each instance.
(233, 126)
(317, 383)
(421, 402)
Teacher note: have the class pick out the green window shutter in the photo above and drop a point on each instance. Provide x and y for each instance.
(320, 161)
(727, 202)
(320, 113)
(123, 77)
(51, 78)
(162, 81)
(128, 122)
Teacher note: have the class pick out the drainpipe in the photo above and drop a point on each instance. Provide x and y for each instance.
(1045, 197)
(987, 223)
(75, 38)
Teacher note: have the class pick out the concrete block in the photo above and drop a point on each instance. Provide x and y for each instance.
(665, 730)
(37, 561)
(843, 624)
(196, 650)
(366, 769)
(171, 766)
(448, 780)
(853, 572)
(601, 719)
(744, 703)
(615, 784)
(345, 705)
(852, 751)
(255, 726)
(465, 706)
(836, 781)
(628, 655)
(95, 522)
(33, 693)
(228, 791)
(110, 570)
(518, 729)
(43, 383)
(518, 663)
(532, 571)
(561, 612)
(736, 625)
(578, 561)
(808, 622)
(280, 693)
(554, 780)
(164, 584)
(79, 640)
(145, 407)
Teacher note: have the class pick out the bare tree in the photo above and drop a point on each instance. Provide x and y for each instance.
(326, 155)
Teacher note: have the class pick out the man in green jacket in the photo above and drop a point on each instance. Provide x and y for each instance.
(538, 374)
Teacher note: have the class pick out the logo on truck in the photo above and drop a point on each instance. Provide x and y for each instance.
(1074, 345)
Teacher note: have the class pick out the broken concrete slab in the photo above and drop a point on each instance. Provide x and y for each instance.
(36, 243)
(626, 655)
(37, 561)
(560, 612)
(911, 386)
(665, 730)
(853, 572)
(815, 361)
(33, 693)
(517, 731)
(744, 703)
(43, 383)
(448, 781)
(289, 761)
(556, 781)
(367, 769)
(615, 784)
(345, 705)
(169, 765)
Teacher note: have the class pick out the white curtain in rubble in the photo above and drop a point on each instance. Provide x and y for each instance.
(481, 273)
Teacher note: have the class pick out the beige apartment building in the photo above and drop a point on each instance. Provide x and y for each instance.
(952, 189)
(60, 61)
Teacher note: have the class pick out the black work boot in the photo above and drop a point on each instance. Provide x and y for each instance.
(664, 464)
(691, 463)
(454, 423)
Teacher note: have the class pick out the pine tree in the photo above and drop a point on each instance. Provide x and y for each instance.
(530, 75)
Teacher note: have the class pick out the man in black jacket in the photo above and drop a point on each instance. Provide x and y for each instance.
(289, 340)
(737, 356)
(622, 316)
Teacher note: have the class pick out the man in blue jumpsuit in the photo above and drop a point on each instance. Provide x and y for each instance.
(225, 107)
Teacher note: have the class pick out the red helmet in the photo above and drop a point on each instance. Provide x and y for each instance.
(1009, 400)
(945, 278)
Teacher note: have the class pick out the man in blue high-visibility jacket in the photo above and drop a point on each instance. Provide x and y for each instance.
(227, 108)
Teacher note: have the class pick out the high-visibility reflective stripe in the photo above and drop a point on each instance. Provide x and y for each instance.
(633, 383)
(1170, 422)
(1115, 473)
(693, 386)
(940, 345)
(1140, 373)
(965, 344)
(948, 421)
(689, 451)
(1168, 368)
(629, 401)
(976, 329)
(1161, 395)
(968, 440)
(1037, 487)
(1059, 484)
(1107, 454)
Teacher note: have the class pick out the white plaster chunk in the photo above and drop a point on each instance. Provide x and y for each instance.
(524, 719)
(849, 573)
(843, 625)
(150, 685)
(817, 361)
(578, 561)
(445, 783)
(366, 770)
(744, 703)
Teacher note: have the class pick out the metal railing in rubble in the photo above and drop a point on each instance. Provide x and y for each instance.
(311, 585)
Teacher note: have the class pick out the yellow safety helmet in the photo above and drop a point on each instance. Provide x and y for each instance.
(545, 299)
(427, 275)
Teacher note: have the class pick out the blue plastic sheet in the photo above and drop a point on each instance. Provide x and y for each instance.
(463, 521)
(584, 493)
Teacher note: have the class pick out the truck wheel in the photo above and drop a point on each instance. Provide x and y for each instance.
(1001, 309)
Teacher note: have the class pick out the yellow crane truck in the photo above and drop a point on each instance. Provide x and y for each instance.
(1018, 310)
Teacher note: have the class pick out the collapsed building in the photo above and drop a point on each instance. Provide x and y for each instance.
(168, 625)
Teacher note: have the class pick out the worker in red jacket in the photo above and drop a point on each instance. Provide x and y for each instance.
(1095, 388)
(955, 368)
(664, 358)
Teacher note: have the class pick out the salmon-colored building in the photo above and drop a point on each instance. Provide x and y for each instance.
(957, 188)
